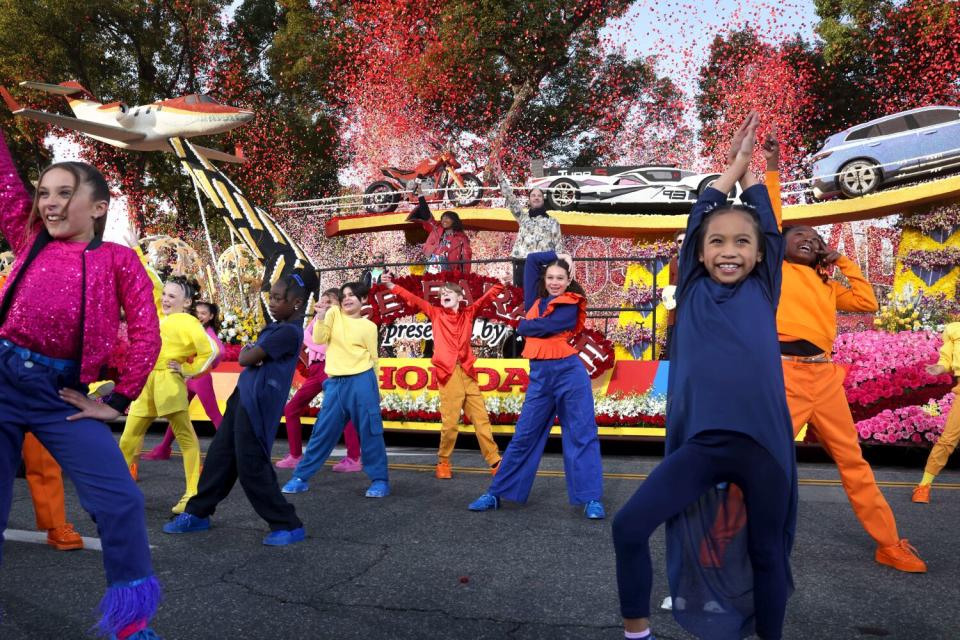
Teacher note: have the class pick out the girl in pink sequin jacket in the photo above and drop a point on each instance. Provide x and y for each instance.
(105, 292)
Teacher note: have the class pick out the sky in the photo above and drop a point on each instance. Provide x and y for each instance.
(679, 33)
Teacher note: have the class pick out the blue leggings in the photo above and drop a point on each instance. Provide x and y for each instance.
(347, 398)
(558, 388)
(681, 479)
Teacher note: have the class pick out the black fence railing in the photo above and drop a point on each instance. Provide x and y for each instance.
(603, 318)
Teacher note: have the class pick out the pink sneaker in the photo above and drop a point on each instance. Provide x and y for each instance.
(159, 452)
(348, 465)
(289, 462)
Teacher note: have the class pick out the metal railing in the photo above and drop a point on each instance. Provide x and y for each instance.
(596, 315)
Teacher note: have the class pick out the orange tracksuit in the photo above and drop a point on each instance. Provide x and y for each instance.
(808, 311)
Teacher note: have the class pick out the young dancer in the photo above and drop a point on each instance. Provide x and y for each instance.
(58, 319)
(165, 394)
(350, 393)
(949, 362)
(208, 314)
(559, 387)
(311, 387)
(727, 422)
(453, 359)
(241, 447)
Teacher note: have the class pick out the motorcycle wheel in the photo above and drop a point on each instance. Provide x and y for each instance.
(381, 197)
(471, 193)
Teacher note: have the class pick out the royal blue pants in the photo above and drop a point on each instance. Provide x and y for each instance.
(558, 389)
(347, 398)
(87, 452)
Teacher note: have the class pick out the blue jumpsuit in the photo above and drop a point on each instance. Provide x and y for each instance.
(558, 388)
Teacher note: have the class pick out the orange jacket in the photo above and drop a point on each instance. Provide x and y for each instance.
(452, 331)
(556, 346)
(808, 305)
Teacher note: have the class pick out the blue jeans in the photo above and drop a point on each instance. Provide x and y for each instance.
(347, 398)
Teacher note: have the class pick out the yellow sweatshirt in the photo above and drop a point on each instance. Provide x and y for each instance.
(351, 343)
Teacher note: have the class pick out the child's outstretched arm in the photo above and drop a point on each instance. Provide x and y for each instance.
(409, 297)
(489, 295)
(771, 153)
(15, 201)
(859, 295)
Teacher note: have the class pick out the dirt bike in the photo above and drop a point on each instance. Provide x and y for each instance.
(442, 182)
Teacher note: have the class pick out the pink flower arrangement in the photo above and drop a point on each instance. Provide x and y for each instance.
(886, 365)
(915, 424)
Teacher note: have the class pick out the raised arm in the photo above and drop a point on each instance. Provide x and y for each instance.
(324, 329)
(771, 153)
(485, 299)
(412, 299)
(531, 275)
(859, 296)
(508, 196)
(15, 201)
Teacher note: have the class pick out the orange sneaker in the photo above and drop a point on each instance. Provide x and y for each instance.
(134, 473)
(495, 468)
(902, 557)
(444, 471)
(921, 493)
(64, 538)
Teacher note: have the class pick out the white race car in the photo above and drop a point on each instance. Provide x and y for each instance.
(636, 189)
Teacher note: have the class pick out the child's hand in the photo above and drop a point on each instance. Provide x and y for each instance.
(771, 151)
(739, 141)
(566, 257)
(830, 256)
(320, 308)
(88, 408)
(131, 237)
(387, 280)
(936, 369)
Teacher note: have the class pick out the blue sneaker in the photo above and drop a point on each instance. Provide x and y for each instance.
(285, 537)
(186, 523)
(295, 485)
(594, 510)
(378, 489)
(486, 502)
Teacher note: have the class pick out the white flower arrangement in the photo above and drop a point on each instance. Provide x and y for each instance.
(630, 406)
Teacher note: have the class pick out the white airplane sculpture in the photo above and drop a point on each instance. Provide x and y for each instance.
(140, 128)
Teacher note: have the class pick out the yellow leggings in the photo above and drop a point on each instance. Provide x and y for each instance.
(131, 442)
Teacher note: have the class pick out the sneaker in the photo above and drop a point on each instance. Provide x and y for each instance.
(378, 489)
(289, 461)
(64, 538)
(159, 452)
(667, 604)
(486, 502)
(902, 557)
(348, 465)
(295, 485)
(495, 468)
(103, 390)
(284, 537)
(444, 471)
(134, 472)
(186, 523)
(594, 510)
(921, 493)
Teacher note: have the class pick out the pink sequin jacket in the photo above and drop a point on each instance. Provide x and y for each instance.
(115, 279)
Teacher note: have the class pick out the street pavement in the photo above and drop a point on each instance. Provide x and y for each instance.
(418, 565)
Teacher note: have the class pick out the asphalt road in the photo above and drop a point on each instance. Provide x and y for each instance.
(419, 565)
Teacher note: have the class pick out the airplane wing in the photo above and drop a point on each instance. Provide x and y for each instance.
(222, 156)
(51, 88)
(83, 126)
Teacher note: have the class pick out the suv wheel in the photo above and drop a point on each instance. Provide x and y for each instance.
(858, 178)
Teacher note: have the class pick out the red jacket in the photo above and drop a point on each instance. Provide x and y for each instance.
(557, 345)
(451, 331)
(458, 253)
